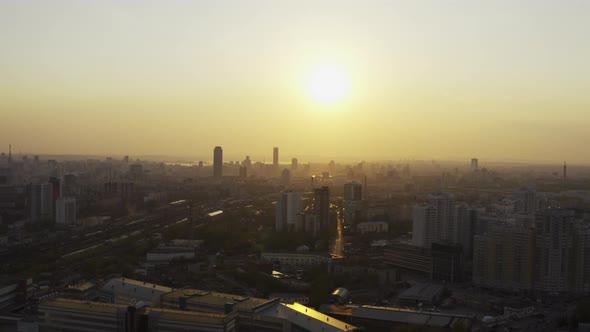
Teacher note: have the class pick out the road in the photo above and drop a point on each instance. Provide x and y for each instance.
(336, 250)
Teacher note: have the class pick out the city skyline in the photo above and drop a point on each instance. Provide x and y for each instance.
(419, 80)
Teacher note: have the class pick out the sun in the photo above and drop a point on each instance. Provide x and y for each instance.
(327, 85)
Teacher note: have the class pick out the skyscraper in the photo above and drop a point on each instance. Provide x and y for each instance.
(353, 203)
(41, 202)
(474, 164)
(442, 220)
(294, 163)
(288, 208)
(217, 161)
(504, 255)
(321, 206)
(275, 158)
(424, 225)
(554, 250)
(243, 172)
(286, 176)
(65, 211)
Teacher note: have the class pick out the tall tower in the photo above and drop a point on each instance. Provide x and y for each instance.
(9, 154)
(287, 209)
(321, 206)
(474, 164)
(353, 202)
(275, 157)
(217, 161)
(294, 163)
(564, 171)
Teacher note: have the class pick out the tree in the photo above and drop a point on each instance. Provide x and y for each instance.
(459, 326)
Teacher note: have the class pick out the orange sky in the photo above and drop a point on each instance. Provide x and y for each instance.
(425, 79)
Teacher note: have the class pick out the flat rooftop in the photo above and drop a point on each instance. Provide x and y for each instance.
(395, 315)
(125, 283)
(308, 318)
(200, 297)
(78, 305)
(110, 308)
(421, 292)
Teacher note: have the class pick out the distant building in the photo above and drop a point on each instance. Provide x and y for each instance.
(474, 164)
(217, 161)
(504, 254)
(41, 202)
(556, 252)
(424, 225)
(332, 167)
(442, 220)
(373, 227)
(321, 206)
(243, 172)
(288, 207)
(294, 164)
(275, 158)
(353, 203)
(286, 176)
(65, 211)
(295, 258)
(447, 262)
(59, 314)
(125, 291)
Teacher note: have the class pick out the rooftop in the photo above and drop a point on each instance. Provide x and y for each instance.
(196, 297)
(308, 318)
(80, 287)
(182, 315)
(395, 315)
(109, 308)
(89, 306)
(140, 290)
(421, 292)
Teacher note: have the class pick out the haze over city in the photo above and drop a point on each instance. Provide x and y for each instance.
(294, 166)
(345, 80)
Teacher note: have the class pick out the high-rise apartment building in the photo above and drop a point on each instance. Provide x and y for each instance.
(321, 206)
(548, 253)
(503, 256)
(353, 203)
(65, 211)
(294, 164)
(288, 207)
(424, 225)
(555, 250)
(275, 157)
(41, 202)
(442, 220)
(217, 161)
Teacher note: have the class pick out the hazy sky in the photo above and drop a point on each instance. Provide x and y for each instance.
(426, 79)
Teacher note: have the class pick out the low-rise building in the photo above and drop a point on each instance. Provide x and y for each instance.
(255, 314)
(290, 298)
(409, 257)
(427, 294)
(295, 258)
(125, 291)
(74, 315)
(373, 227)
(375, 318)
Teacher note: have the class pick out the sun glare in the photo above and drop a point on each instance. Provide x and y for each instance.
(327, 85)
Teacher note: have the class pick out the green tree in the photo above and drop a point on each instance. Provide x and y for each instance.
(459, 326)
